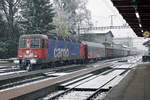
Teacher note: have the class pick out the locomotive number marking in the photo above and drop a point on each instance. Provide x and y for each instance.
(60, 52)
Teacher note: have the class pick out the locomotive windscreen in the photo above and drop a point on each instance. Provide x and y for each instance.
(36, 43)
(22, 43)
(33, 43)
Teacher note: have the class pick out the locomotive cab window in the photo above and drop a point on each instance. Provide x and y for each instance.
(22, 43)
(34, 43)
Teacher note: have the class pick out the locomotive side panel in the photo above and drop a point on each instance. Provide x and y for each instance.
(62, 50)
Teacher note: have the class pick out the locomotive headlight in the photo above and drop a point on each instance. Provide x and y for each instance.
(27, 52)
(33, 61)
(16, 61)
(20, 55)
(35, 56)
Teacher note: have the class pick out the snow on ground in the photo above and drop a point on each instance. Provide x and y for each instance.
(96, 81)
(8, 73)
(76, 95)
(64, 84)
(124, 66)
(57, 74)
(115, 81)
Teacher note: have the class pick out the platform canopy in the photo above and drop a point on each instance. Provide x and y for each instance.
(136, 13)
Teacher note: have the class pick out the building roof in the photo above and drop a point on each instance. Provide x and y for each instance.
(93, 44)
(103, 34)
(136, 13)
(34, 36)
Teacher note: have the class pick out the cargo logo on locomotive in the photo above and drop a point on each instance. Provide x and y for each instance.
(61, 52)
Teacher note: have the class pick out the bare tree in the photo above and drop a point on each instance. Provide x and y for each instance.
(73, 13)
(10, 8)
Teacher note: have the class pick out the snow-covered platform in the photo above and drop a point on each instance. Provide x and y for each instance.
(135, 86)
(99, 81)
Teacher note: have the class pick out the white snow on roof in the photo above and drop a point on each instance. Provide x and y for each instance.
(93, 44)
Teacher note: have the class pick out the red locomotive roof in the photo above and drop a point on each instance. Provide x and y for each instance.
(34, 36)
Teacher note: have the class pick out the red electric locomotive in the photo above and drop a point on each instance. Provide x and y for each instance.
(33, 49)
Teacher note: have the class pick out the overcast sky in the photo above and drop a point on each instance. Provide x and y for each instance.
(101, 11)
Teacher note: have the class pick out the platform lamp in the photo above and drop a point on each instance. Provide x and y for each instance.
(146, 34)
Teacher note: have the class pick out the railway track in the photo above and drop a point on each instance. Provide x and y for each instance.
(12, 73)
(70, 91)
(33, 86)
(20, 77)
(11, 69)
(29, 77)
(23, 77)
(26, 77)
(79, 90)
(8, 68)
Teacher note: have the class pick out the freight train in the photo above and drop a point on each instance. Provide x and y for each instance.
(38, 49)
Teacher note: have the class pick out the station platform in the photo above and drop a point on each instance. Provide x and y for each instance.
(135, 86)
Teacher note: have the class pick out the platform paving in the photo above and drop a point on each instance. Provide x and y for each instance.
(135, 86)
